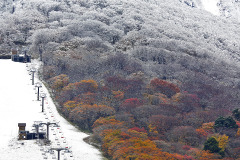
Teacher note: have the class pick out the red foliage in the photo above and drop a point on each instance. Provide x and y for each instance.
(163, 123)
(238, 123)
(131, 87)
(139, 129)
(131, 103)
(164, 87)
(186, 147)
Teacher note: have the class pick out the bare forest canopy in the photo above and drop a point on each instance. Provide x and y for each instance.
(163, 69)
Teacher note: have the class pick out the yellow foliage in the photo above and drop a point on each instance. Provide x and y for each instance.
(222, 141)
(152, 128)
(118, 94)
(70, 104)
(90, 81)
(176, 97)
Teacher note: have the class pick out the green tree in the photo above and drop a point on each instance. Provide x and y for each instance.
(236, 114)
(212, 145)
(228, 122)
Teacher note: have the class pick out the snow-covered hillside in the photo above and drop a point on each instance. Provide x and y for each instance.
(230, 8)
(208, 5)
(19, 105)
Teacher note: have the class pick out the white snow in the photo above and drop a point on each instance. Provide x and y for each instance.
(18, 104)
(211, 6)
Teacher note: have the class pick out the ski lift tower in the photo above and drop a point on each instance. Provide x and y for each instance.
(43, 95)
(33, 70)
(59, 150)
(38, 85)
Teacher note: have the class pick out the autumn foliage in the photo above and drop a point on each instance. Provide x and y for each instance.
(125, 145)
(164, 87)
(130, 119)
(59, 82)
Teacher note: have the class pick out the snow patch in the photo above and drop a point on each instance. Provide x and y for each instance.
(211, 6)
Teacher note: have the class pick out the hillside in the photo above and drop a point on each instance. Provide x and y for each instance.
(114, 65)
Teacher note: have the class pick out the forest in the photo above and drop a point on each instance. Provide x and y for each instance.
(148, 79)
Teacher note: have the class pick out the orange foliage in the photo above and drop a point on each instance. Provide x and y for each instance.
(83, 86)
(105, 121)
(203, 155)
(135, 148)
(86, 98)
(88, 85)
(238, 133)
(97, 108)
(134, 133)
(202, 132)
(120, 146)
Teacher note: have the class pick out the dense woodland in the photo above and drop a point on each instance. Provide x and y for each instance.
(149, 79)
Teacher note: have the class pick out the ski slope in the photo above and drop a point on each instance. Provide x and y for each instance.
(18, 104)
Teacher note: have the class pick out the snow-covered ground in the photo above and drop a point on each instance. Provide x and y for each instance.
(211, 6)
(18, 104)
